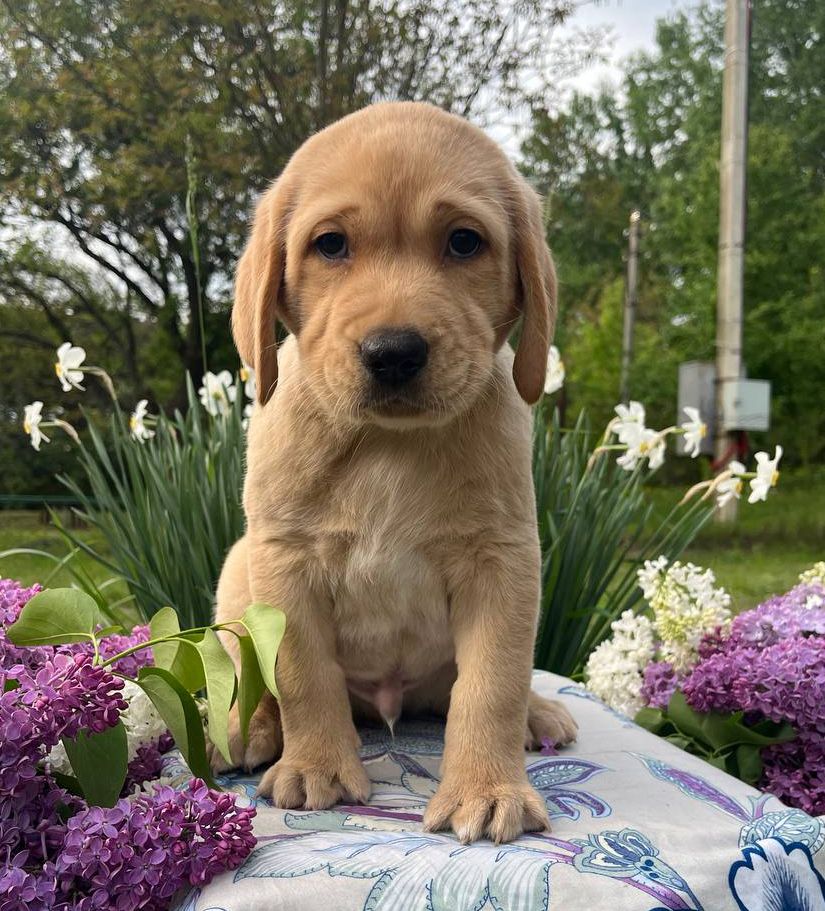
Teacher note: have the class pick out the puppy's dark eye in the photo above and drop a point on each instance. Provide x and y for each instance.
(332, 245)
(464, 243)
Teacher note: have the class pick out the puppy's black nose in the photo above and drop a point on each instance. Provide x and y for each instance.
(394, 356)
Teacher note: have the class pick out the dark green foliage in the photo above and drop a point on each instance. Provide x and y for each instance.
(169, 509)
(724, 741)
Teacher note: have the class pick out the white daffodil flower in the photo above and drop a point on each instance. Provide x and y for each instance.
(695, 431)
(247, 375)
(629, 423)
(642, 443)
(731, 488)
(31, 424)
(554, 379)
(654, 448)
(69, 359)
(217, 392)
(766, 475)
(137, 422)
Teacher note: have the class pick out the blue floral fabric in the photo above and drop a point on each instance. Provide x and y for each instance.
(638, 825)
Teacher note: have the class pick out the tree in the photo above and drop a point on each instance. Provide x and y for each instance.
(657, 147)
(117, 117)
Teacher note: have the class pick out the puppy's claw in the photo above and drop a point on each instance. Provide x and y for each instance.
(294, 785)
(500, 813)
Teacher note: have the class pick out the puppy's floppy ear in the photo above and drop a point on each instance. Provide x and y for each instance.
(258, 289)
(537, 294)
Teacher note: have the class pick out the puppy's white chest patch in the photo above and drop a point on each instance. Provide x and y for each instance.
(391, 615)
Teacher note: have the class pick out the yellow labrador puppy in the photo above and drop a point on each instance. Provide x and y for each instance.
(389, 501)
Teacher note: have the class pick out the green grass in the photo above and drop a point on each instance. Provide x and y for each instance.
(21, 529)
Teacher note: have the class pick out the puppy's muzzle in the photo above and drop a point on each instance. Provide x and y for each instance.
(394, 357)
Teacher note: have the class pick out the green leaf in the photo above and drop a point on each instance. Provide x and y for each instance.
(251, 686)
(188, 666)
(679, 740)
(56, 616)
(684, 717)
(67, 782)
(220, 688)
(649, 718)
(178, 655)
(265, 625)
(99, 763)
(749, 761)
(177, 708)
(164, 623)
(729, 730)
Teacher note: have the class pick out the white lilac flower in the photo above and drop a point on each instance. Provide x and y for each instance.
(614, 669)
(686, 605)
(247, 375)
(731, 488)
(554, 378)
(695, 431)
(69, 359)
(217, 392)
(815, 575)
(31, 424)
(766, 475)
(137, 422)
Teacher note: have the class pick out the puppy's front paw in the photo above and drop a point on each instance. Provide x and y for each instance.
(315, 782)
(500, 811)
(547, 718)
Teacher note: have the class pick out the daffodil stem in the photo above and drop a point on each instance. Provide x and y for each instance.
(107, 380)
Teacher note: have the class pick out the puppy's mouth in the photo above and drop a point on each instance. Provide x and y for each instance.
(395, 404)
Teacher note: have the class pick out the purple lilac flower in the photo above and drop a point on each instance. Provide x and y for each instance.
(137, 854)
(799, 611)
(772, 665)
(131, 664)
(66, 695)
(12, 598)
(548, 747)
(147, 763)
(795, 772)
(660, 683)
(769, 662)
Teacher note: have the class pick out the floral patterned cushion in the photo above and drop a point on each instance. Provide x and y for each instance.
(637, 825)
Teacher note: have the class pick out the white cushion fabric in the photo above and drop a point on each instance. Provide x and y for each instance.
(638, 825)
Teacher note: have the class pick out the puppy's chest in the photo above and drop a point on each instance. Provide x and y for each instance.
(390, 605)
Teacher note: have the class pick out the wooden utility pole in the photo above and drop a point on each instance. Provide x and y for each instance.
(731, 223)
(630, 298)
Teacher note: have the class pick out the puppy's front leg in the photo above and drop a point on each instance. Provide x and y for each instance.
(484, 790)
(320, 763)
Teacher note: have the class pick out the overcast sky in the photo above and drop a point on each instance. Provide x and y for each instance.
(633, 23)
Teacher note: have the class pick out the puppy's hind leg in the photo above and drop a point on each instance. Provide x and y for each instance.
(265, 738)
(548, 718)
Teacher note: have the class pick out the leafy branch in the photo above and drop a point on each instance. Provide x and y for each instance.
(186, 662)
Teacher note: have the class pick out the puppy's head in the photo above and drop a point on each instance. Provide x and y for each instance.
(400, 246)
